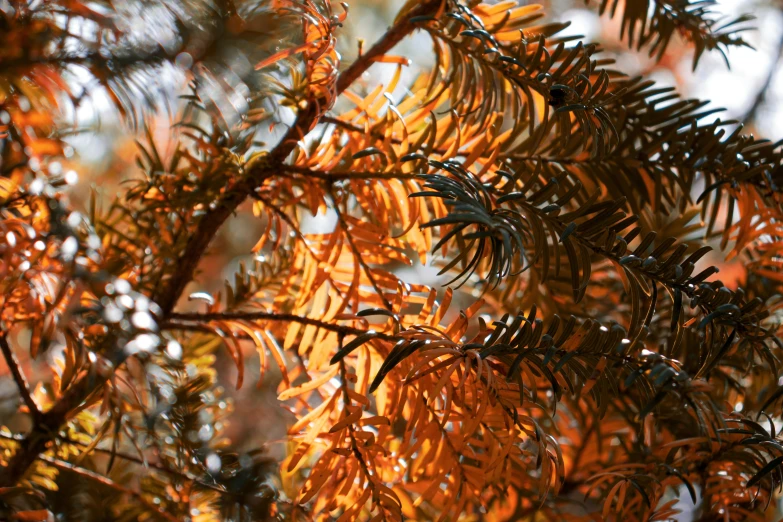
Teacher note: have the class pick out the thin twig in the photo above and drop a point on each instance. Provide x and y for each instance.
(352, 175)
(154, 465)
(198, 320)
(355, 448)
(357, 129)
(130, 458)
(19, 378)
(299, 236)
(82, 472)
(393, 36)
(358, 255)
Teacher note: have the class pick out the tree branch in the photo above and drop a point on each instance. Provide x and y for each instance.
(393, 36)
(199, 319)
(82, 472)
(182, 475)
(19, 378)
(349, 175)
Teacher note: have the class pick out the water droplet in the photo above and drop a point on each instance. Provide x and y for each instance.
(245, 461)
(74, 218)
(69, 248)
(125, 302)
(142, 303)
(112, 314)
(174, 350)
(142, 343)
(55, 168)
(142, 321)
(184, 60)
(121, 286)
(36, 187)
(213, 463)
(205, 433)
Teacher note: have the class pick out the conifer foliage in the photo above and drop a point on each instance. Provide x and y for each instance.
(577, 359)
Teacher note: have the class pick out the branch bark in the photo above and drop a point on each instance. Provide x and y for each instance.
(21, 382)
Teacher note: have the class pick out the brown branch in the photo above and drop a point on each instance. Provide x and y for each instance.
(168, 294)
(197, 321)
(89, 60)
(350, 175)
(136, 460)
(19, 378)
(393, 36)
(350, 126)
(46, 428)
(63, 465)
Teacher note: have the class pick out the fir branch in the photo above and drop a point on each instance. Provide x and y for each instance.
(288, 220)
(141, 462)
(568, 156)
(355, 448)
(90, 61)
(501, 223)
(654, 23)
(130, 458)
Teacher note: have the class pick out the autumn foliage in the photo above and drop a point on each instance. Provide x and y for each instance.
(575, 358)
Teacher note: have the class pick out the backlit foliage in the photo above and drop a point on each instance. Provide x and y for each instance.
(576, 359)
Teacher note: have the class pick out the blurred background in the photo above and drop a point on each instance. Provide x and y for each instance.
(104, 150)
